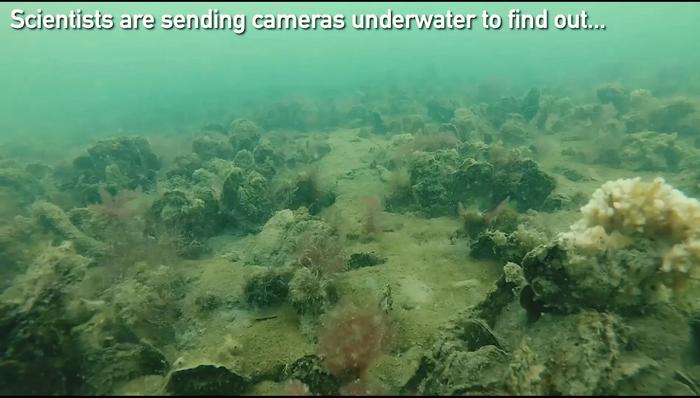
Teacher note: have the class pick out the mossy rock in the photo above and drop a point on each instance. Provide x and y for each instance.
(364, 259)
(206, 379)
(268, 288)
(122, 163)
(310, 371)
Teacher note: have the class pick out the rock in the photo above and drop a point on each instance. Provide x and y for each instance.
(123, 163)
(441, 110)
(452, 370)
(52, 218)
(506, 246)
(246, 199)
(208, 147)
(364, 259)
(615, 95)
(674, 117)
(19, 186)
(245, 160)
(206, 379)
(268, 288)
(311, 294)
(192, 215)
(523, 183)
(243, 134)
(530, 105)
(432, 181)
(497, 112)
(651, 151)
(476, 334)
(310, 371)
(566, 280)
(513, 131)
(35, 336)
(567, 356)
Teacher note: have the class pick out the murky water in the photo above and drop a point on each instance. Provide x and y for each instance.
(350, 211)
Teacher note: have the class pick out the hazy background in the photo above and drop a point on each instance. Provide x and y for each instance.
(63, 84)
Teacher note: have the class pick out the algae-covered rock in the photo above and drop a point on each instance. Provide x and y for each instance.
(513, 274)
(371, 120)
(311, 371)
(211, 147)
(35, 336)
(358, 114)
(440, 110)
(305, 190)
(116, 163)
(253, 200)
(468, 357)
(267, 159)
(19, 186)
(112, 354)
(506, 246)
(268, 288)
(583, 354)
(530, 104)
(432, 181)
(364, 259)
(310, 293)
(206, 379)
(190, 216)
(589, 353)
(474, 183)
(220, 168)
(468, 123)
(54, 219)
(527, 373)
(148, 302)
(246, 199)
(440, 180)
(397, 370)
(497, 112)
(245, 160)
(566, 280)
(265, 151)
(244, 134)
(13, 251)
(295, 238)
(413, 124)
(633, 247)
(377, 123)
(184, 165)
(450, 369)
(675, 117)
(523, 183)
(303, 153)
(514, 131)
(651, 151)
(503, 292)
(618, 96)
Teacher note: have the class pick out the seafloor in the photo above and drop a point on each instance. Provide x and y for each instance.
(383, 242)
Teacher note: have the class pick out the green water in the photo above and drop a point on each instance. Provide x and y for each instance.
(355, 212)
(83, 81)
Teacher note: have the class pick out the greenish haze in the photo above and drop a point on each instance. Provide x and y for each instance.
(351, 212)
(89, 82)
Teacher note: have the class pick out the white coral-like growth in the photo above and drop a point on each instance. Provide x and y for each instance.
(623, 210)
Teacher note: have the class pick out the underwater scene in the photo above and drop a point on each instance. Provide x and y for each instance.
(351, 211)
